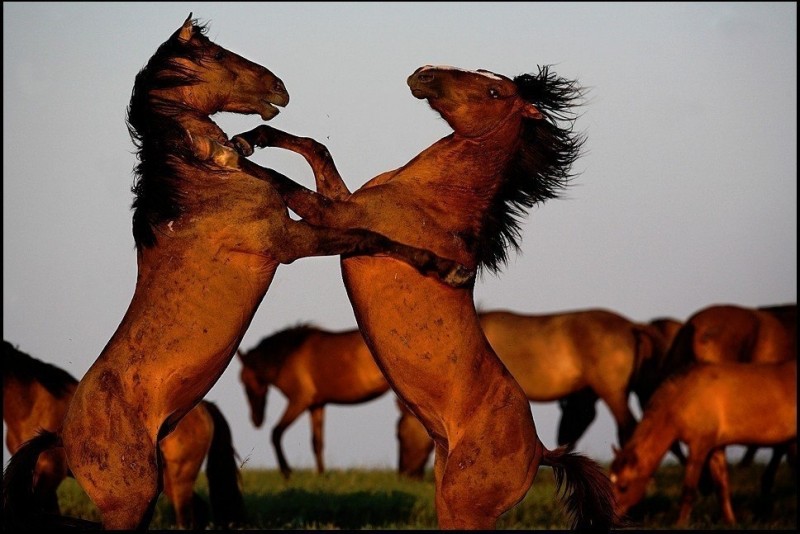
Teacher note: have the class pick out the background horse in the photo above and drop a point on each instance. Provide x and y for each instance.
(311, 367)
(727, 333)
(708, 406)
(36, 395)
(573, 357)
(460, 197)
(209, 240)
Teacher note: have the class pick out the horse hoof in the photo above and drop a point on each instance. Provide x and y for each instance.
(460, 277)
(242, 147)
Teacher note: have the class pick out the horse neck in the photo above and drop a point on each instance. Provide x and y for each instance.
(466, 167)
(653, 436)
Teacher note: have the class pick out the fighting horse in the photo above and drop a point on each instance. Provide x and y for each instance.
(708, 406)
(312, 367)
(36, 396)
(208, 239)
(512, 146)
(573, 357)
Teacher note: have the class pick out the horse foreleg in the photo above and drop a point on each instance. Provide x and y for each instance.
(691, 478)
(301, 240)
(327, 215)
(621, 411)
(292, 412)
(577, 413)
(317, 437)
(718, 465)
(329, 181)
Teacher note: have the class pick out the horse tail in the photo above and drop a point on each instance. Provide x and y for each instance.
(20, 511)
(224, 478)
(588, 495)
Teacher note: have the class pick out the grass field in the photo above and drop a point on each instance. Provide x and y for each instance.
(379, 499)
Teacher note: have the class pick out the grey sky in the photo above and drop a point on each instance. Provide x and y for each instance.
(687, 194)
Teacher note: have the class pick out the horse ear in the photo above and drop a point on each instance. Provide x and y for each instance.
(186, 30)
(532, 112)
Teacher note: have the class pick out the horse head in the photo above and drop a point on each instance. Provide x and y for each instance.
(472, 102)
(226, 81)
(256, 387)
(628, 479)
(188, 79)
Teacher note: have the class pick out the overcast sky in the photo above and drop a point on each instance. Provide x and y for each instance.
(687, 194)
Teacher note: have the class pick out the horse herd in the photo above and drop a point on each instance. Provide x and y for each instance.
(211, 228)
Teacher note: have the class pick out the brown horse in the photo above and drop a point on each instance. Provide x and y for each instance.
(574, 357)
(209, 239)
(512, 147)
(312, 367)
(36, 396)
(728, 333)
(708, 406)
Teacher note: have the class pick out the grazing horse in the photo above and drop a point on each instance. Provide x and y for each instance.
(209, 239)
(708, 406)
(729, 333)
(311, 367)
(512, 146)
(36, 396)
(573, 357)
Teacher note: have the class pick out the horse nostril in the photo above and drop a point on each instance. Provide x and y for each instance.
(279, 87)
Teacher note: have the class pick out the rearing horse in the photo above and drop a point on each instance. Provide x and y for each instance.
(209, 239)
(461, 198)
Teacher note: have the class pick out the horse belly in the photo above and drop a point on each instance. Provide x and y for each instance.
(420, 331)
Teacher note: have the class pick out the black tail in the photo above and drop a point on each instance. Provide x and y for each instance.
(20, 509)
(224, 479)
(588, 496)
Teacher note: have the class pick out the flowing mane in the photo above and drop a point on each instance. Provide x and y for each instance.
(25, 368)
(158, 136)
(541, 167)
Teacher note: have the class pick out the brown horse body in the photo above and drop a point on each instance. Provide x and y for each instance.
(708, 406)
(36, 396)
(573, 357)
(209, 239)
(728, 333)
(311, 367)
(457, 199)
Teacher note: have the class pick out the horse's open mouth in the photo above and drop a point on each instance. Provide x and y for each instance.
(268, 110)
(423, 92)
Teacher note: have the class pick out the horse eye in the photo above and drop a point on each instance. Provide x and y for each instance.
(219, 55)
(494, 93)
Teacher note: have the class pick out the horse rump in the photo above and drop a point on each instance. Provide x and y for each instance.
(20, 507)
(587, 495)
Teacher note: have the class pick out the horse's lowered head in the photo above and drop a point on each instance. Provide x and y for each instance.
(256, 386)
(628, 478)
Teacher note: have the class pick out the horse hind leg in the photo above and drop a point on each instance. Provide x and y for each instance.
(114, 460)
(481, 479)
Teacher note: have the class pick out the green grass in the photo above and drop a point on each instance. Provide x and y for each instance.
(379, 499)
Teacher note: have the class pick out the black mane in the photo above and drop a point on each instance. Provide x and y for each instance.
(539, 170)
(157, 135)
(278, 346)
(25, 368)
